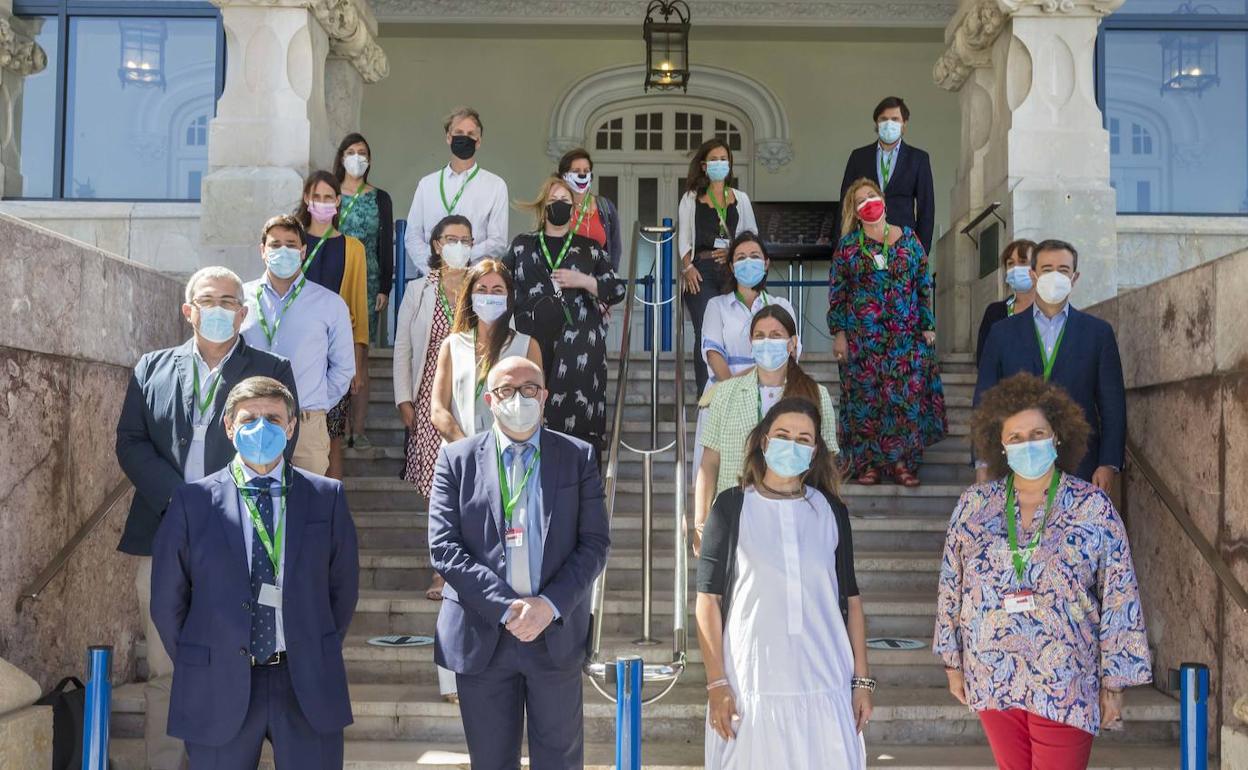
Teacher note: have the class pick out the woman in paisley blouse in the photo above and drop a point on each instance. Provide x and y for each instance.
(368, 215)
(880, 313)
(1038, 622)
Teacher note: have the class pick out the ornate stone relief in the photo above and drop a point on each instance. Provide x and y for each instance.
(974, 36)
(773, 154)
(18, 52)
(346, 26)
(1093, 7)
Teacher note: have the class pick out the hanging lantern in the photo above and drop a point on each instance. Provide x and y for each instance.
(142, 54)
(667, 45)
(1189, 59)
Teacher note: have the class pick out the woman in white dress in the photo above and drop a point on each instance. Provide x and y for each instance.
(480, 337)
(780, 621)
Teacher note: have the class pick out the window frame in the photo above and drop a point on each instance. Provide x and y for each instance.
(63, 11)
(1159, 23)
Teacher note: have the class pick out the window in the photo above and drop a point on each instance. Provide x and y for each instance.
(611, 135)
(1176, 74)
(648, 134)
(127, 118)
(727, 132)
(688, 130)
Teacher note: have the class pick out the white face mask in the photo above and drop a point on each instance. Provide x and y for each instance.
(456, 255)
(1053, 287)
(579, 182)
(518, 414)
(355, 165)
(489, 307)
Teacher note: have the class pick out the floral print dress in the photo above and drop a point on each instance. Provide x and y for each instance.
(1088, 626)
(363, 221)
(892, 401)
(424, 442)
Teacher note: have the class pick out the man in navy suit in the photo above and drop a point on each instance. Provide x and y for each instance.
(232, 551)
(904, 173)
(169, 433)
(518, 528)
(1069, 348)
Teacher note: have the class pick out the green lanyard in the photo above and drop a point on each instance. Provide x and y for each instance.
(272, 546)
(1023, 558)
(450, 207)
(722, 211)
(481, 381)
(509, 501)
(581, 212)
(886, 169)
(741, 299)
(862, 246)
(271, 332)
(1049, 360)
(554, 264)
(204, 405)
(1009, 304)
(446, 305)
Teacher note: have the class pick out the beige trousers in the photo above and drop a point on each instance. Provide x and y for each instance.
(163, 752)
(312, 448)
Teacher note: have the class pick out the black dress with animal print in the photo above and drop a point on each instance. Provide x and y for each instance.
(569, 329)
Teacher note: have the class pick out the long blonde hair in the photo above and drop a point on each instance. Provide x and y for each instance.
(849, 210)
(538, 206)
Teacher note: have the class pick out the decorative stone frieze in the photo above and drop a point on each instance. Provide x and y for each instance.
(19, 53)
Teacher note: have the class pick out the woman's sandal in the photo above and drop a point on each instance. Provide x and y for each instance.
(434, 592)
(869, 477)
(905, 477)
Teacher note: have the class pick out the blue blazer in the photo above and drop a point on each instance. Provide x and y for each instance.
(1088, 367)
(909, 196)
(201, 604)
(466, 544)
(154, 431)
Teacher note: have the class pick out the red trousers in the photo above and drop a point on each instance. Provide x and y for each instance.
(1021, 740)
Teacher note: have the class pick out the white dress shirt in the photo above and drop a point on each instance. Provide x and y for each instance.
(194, 468)
(484, 202)
(249, 530)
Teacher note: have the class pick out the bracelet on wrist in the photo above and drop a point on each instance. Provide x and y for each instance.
(862, 683)
(716, 684)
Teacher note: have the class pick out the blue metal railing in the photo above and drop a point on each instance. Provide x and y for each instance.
(628, 683)
(1192, 682)
(666, 274)
(400, 263)
(95, 718)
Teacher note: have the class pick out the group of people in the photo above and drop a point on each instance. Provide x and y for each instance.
(500, 373)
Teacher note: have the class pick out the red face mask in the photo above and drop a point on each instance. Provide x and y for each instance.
(871, 210)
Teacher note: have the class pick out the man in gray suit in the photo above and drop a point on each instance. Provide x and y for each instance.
(169, 433)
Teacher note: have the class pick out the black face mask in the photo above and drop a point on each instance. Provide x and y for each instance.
(463, 147)
(558, 213)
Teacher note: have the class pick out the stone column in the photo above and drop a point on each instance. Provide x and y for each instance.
(344, 96)
(19, 56)
(1032, 140)
(272, 125)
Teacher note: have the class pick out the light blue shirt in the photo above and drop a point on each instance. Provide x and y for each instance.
(314, 334)
(883, 157)
(249, 530)
(1050, 328)
(528, 512)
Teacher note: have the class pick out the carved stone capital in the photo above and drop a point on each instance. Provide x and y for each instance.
(350, 35)
(19, 52)
(773, 154)
(1095, 8)
(556, 146)
(972, 39)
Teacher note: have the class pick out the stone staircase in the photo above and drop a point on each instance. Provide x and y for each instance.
(401, 723)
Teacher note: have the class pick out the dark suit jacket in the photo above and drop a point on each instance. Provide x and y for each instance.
(466, 543)
(910, 197)
(154, 431)
(996, 311)
(201, 604)
(1088, 367)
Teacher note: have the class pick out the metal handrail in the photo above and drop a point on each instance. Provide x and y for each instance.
(59, 561)
(663, 673)
(1206, 549)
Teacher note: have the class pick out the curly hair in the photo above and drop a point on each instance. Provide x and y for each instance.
(1018, 394)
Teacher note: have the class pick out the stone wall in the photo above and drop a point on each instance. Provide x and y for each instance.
(1184, 343)
(73, 321)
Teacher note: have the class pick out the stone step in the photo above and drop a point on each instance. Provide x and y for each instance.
(127, 754)
(903, 715)
(946, 359)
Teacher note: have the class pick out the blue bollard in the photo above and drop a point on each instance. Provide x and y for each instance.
(628, 680)
(98, 707)
(1193, 685)
(665, 293)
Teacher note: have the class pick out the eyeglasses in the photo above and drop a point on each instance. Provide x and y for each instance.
(449, 239)
(228, 303)
(505, 392)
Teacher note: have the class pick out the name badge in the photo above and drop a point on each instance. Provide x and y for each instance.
(880, 264)
(1020, 601)
(271, 596)
(722, 243)
(201, 432)
(514, 537)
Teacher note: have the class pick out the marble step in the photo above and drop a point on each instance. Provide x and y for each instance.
(902, 715)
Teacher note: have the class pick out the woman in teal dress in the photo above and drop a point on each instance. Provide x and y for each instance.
(879, 311)
(367, 214)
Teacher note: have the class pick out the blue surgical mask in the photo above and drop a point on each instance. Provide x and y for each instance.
(260, 442)
(717, 170)
(749, 272)
(770, 354)
(1031, 459)
(216, 324)
(788, 458)
(489, 307)
(284, 261)
(1018, 278)
(890, 131)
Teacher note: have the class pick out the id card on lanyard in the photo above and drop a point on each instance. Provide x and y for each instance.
(1023, 599)
(512, 535)
(270, 594)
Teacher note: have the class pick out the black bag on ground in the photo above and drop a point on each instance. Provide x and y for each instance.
(67, 716)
